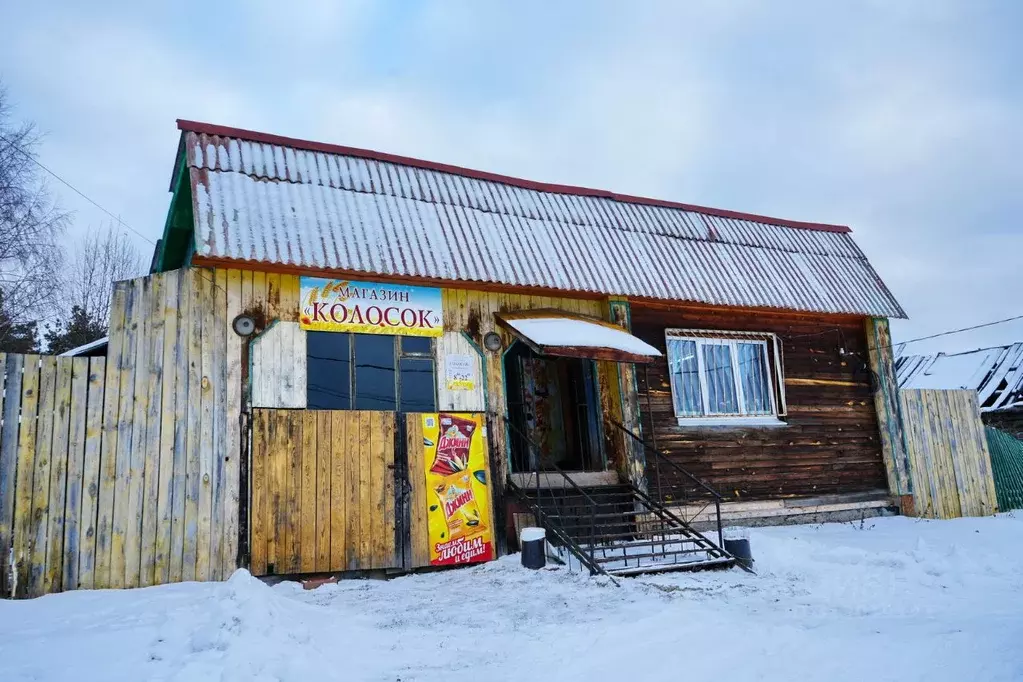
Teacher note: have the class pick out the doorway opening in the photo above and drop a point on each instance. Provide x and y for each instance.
(553, 404)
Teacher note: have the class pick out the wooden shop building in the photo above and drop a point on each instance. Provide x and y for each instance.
(345, 360)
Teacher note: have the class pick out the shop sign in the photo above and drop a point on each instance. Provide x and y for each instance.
(460, 372)
(343, 305)
(457, 489)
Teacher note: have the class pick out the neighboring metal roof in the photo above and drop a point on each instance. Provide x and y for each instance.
(995, 373)
(312, 206)
(97, 347)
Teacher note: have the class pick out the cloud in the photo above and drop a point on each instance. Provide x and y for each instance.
(900, 120)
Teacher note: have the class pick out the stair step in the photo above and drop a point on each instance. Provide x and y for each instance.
(586, 517)
(648, 543)
(709, 564)
(622, 535)
(637, 559)
(604, 559)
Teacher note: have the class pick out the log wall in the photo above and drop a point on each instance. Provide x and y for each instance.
(831, 441)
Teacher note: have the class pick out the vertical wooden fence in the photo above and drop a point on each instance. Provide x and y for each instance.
(948, 452)
(124, 471)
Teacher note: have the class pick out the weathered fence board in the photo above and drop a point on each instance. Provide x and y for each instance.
(26, 462)
(950, 464)
(91, 474)
(325, 475)
(8, 461)
(418, 494)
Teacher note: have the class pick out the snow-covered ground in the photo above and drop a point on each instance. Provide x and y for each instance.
(898, 599)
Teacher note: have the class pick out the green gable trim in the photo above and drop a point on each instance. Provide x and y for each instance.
(177, 242)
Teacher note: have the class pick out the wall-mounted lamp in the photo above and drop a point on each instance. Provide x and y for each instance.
(492, 341)
(243, 325)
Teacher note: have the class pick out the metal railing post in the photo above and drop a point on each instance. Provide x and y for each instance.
(721, 533)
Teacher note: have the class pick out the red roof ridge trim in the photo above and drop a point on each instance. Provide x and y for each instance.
(309, 145)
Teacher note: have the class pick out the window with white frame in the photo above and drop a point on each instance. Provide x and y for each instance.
(725, 378)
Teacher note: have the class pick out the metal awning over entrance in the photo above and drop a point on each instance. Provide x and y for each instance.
(563, 334)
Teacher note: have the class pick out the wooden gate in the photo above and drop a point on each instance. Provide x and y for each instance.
(323, 492)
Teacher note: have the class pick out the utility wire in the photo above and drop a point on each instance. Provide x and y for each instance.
(964, 329)
(74, 189)
(78, 191)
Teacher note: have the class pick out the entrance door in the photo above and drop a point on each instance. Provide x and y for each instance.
(553, 409)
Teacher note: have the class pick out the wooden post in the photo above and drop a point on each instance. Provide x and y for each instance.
(634, 466)
(886, 402)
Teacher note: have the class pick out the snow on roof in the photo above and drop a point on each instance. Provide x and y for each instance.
(261, 198)
(995, 373)
(85, 348)
(551, 332)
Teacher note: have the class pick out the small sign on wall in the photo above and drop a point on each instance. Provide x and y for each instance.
(460, 372)
(341, 305)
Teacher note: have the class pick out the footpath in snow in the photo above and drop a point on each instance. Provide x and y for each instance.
(893, 599)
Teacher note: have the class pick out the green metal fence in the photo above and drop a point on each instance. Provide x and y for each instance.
(1007, 467)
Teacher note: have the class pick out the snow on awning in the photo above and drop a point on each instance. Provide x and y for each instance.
(555, 332)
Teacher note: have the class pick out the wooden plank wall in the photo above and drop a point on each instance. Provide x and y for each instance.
(323, 491)
(948, 450)
(278, 376)
(831, 443)
(459, 400)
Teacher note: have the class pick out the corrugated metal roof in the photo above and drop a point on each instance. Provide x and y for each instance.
(259, 199)
(995, 373)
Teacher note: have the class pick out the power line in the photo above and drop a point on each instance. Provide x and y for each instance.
(82, 194)
(74, 189)
(964, 329)
(893, 344)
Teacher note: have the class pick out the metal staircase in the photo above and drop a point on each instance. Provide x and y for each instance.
(616, 529)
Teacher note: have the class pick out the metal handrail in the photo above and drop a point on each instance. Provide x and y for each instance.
(661, 458)
(665, 514)
(573, 547)
(647, 448)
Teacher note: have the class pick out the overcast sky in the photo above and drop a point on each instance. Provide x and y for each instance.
(903, 120)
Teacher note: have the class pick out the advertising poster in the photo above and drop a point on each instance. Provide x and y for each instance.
(342, 305)
(457, 489)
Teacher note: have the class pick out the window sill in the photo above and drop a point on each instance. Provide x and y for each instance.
(738, 422)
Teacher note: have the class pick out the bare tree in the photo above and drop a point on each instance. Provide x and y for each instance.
(101, 258)
(31, 225)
